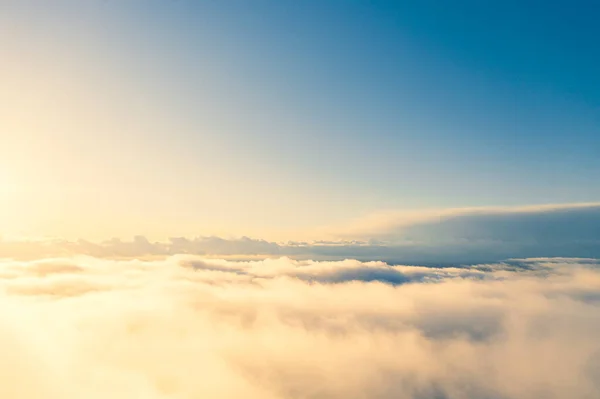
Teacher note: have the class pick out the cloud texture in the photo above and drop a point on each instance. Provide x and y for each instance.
(191, 327)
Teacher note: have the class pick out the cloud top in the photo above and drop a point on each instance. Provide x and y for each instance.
(187, 327)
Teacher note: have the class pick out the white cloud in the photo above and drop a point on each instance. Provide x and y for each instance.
(189, 327)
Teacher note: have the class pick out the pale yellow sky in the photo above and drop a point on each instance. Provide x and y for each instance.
(88, 150)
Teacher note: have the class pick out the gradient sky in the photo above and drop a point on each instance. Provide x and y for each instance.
(272, 117)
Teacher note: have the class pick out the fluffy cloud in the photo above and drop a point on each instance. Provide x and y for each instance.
(188, 327)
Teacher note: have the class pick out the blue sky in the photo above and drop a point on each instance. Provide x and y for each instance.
(254, 117)
(425, 103)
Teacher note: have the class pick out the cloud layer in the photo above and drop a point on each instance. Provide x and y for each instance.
(437, 237)
(189, 327)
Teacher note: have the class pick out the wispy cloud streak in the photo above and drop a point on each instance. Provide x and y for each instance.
(451, 236)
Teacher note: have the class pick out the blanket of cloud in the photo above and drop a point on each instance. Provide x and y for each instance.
(468, 236)
(188, 327)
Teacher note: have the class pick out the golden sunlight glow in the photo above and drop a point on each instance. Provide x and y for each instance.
(8, 186)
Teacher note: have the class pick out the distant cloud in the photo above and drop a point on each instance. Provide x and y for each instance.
(447, 236)
(394, 224)
(189, 327)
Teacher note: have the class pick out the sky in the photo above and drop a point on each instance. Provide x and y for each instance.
(281, 120)
(284, 199)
